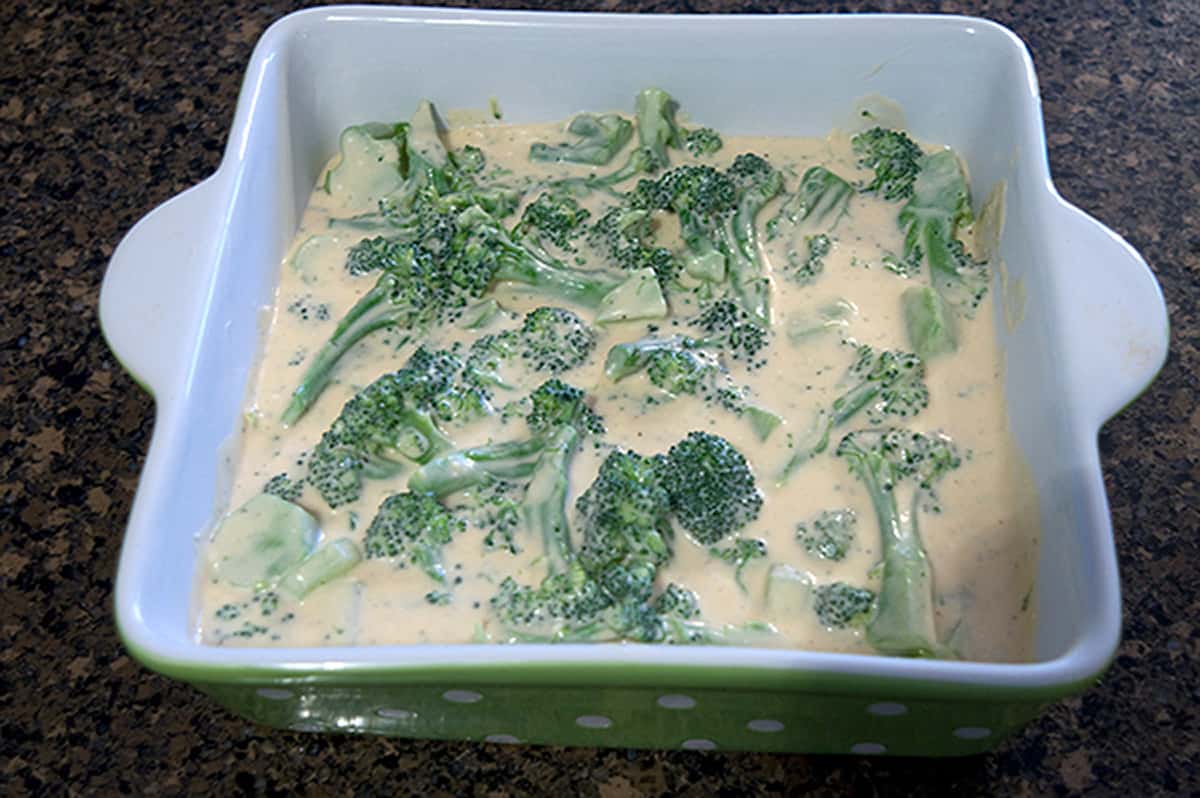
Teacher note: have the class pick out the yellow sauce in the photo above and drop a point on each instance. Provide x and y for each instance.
(983, 545)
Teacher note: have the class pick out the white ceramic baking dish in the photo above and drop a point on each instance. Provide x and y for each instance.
(181, 302)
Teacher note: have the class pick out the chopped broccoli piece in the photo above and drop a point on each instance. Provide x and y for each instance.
(712, 488)
(683, 366)
(900, 470)
(895, 158)
(412, 529)
(335, 559)
(940, 204)
(598, 139)
(805, 270)
(553, 218)
(883, 384)
(624, 237)
(395, 419)
(840, 606)
(830, 535)
(624, 514)
(702, 141)
(739, 553)
(728, 327)
(553, 405)
(284, 487)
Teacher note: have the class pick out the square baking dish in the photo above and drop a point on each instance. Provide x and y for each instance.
(182, 298)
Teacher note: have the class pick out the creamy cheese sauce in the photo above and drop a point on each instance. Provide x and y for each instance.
(982, 546)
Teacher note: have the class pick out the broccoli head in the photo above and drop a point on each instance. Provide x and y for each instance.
(712, 488)
(395, 419)
(840, 606)
(412, 530)
(895, 159)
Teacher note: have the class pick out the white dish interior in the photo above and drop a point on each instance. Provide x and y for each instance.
(181, 300)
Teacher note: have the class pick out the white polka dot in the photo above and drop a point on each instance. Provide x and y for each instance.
(765, 725)
(868, 748)
(501, 738)
(676, 701)
(887, 709)
(273, 693)
(698, 744)
(593, 721)
(462, 696)
(972, 732)
(396, 714)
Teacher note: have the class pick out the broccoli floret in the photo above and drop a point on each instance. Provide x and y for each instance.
(702, 141)
(895, 158)
(712, 488)
(704, 200)
(654, 118)
(410, 298)
(566, 606)
(729, 328)
(494, 507)
(549, 341)
(940, 204)
(840, 606)
(484, 247)
(286, 488)
(554, 340)
(624, 514)
(739, 553)
(804, 270)
(883, 384)
(830, 535)
(598, 139)
(553, 218)
(680, 365)
(820, 201)
(623, 236)
(900, 470)
(395, 419)
(552, 406)
(412, 529)
(757, 184)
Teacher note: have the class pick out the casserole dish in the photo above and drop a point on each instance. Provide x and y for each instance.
(180, 306)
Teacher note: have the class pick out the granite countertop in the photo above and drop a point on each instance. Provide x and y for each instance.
(109, 108)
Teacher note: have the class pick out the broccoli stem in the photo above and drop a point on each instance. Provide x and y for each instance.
(545, 503)
(750, 283)
(903, 621)
(357, 324)
(573, 285)
(468, 468)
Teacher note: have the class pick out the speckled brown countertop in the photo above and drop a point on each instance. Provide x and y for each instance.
(109, 108)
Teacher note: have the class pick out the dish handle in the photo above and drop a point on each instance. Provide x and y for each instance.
(1116, 328)
(154, 286)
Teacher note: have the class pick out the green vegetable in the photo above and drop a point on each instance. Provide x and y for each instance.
(895, 159)
(257, 543)
(333, 560)
(900, 470)
(830, 535)
(397, 419)
(839, 605)
(711, 486)
(940, 204)
(884, 385)
(412, 529)
(598, 139)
